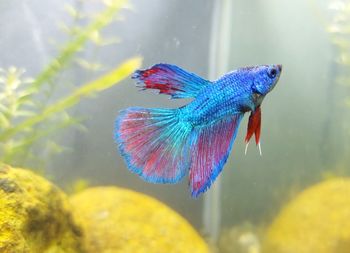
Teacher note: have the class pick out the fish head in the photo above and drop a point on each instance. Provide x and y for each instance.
(265, 78)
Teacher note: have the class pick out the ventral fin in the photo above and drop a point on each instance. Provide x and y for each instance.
(254, 128)
(171, 80)
(210, 148)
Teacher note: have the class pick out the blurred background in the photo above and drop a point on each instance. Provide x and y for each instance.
(305, 122)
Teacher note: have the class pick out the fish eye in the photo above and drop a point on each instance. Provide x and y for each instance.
(272, 73)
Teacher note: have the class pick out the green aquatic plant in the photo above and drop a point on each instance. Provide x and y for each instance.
(28, 114)
(335, 19)
(79, 15)
(79, 36)
(339, 30)
(20, 116)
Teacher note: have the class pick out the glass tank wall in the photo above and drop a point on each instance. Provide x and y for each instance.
(57, 47)
(304, 119)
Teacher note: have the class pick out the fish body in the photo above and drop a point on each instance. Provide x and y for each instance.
(228, 95)
(162, 145)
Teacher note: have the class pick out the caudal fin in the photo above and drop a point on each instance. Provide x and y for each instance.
(157, 145)
(170, 80)
(154, 143)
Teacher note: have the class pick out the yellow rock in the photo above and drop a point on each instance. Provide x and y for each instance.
(34, 215)
(117, 220)
(317, 220)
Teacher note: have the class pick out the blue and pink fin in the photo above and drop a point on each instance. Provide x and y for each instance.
(154, 143)
(170, 80)
(254, 128)
(159, 147)
(209, 152)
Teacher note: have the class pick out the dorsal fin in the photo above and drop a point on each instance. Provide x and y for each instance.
(170, 80)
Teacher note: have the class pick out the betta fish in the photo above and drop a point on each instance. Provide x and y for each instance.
(161, 145)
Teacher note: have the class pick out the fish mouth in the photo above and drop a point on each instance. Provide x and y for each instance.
(279, 66)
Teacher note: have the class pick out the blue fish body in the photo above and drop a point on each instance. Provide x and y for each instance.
(162, 145)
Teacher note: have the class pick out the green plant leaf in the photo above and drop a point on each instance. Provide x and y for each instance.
(4, 122)
(100, 84)
(77, 43)
(91, 66)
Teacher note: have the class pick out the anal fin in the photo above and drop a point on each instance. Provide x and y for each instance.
(211, 146)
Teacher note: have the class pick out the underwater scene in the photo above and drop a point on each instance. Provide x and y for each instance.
(125, 124)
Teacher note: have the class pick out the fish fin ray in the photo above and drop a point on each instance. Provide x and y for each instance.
(211, 146)
(171, 80)
(153, 142)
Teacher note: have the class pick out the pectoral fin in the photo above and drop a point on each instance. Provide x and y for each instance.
(254, 127)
